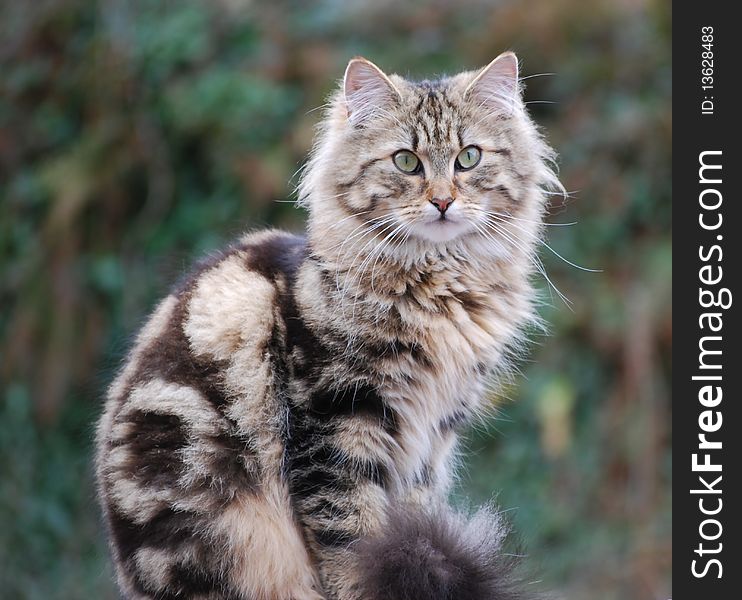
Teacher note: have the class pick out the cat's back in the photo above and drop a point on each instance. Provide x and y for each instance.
(222, 312)
(192, 431)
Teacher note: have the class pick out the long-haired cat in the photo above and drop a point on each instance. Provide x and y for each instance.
(285, 424)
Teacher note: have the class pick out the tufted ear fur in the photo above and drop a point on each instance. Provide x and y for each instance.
(496, 85)
(366, 90)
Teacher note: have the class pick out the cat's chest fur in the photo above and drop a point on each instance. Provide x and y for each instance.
(440, 389)
(426, 351)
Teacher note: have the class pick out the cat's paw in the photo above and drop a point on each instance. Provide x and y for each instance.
(438, 555)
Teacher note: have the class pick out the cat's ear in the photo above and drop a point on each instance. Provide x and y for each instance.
(366, 88)
(496, 85)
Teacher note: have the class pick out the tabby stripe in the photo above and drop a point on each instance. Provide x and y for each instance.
(168, 529)
(333, 538)
(317, 479)
(360, 174)
(169, 358)
(505, 191)
(153, 448)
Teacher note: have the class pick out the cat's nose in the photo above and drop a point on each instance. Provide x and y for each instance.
(442, 204)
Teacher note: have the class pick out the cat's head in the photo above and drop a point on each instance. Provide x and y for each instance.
(454, 160)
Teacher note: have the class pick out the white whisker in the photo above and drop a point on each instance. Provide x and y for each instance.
(320, 107)
(508, 216)
(536, 75)
(542, 242)
(349, 272)
(535, 261)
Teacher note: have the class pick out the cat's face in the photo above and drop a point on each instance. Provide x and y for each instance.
(430, 162)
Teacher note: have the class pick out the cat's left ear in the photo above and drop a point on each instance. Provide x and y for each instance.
(496, 85)
(366, 88)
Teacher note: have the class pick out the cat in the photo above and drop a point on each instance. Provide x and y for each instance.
(285, 426)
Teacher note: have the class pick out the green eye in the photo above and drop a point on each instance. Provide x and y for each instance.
(468, 158)
(406, 161)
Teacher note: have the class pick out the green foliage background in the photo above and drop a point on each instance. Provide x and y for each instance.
(138, 135)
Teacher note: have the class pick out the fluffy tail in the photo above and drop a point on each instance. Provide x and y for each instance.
(440, 555)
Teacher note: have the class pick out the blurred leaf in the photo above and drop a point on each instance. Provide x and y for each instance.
(555, 415)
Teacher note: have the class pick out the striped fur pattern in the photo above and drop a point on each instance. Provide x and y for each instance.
(286, 423)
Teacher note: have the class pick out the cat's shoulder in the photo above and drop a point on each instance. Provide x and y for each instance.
(226, 302)
(268, 254)
(230, 298)
(225, 305)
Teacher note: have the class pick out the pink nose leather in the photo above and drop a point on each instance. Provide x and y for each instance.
(442, 204)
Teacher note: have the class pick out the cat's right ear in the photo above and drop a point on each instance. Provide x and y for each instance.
(366, 88)
(496, 86)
